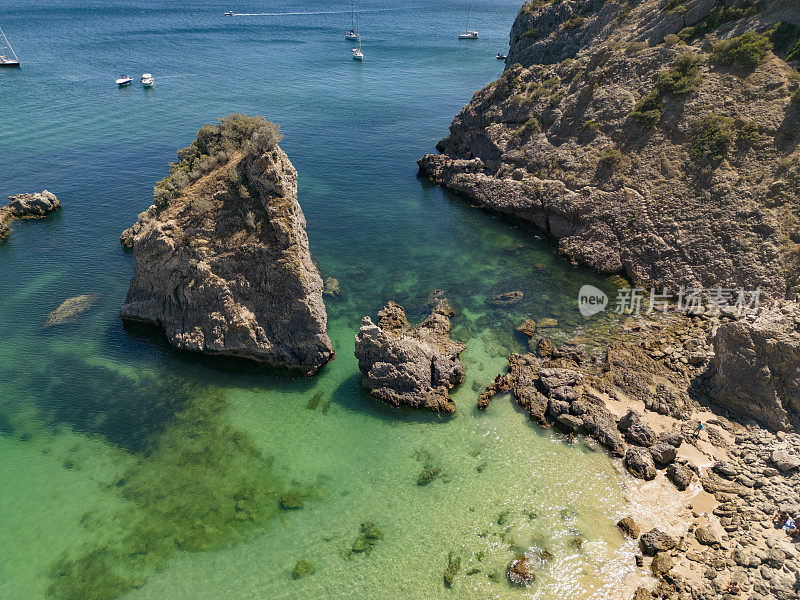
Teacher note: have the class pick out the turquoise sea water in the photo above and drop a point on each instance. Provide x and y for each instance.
(130, 469)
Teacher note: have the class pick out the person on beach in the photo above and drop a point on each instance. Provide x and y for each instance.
(790, 527)
(698, 430)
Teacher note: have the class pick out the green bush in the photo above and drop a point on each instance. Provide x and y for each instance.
(683, 77)
(746, 132)
(531, 126)
(647, 111)
(574, 22)
(784, 36)
(711, 138)
(533, 34)
(611, 157)
(718, 16)
(212, 147)
(747, 50)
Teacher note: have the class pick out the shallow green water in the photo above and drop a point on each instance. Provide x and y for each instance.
(127, 468)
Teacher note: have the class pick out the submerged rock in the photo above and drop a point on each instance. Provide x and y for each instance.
(528, 327)
(453, 566)
(222, 259)
(428, 475)
(332, 287)
(303, 568)
(370, 535)
(410, 366)
(505, 299)
(70, 309)
(520, 571)
(291, 501)
(27, 206)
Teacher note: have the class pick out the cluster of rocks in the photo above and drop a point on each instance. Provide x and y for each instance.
(739, 549)
(410, 366)
(754, 472)
(27, 206)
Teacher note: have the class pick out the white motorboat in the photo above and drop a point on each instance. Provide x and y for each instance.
(357, 53)
(353, 33)
(148, 80)
(230, 13)
(8, 57)
(469, 34)
(124, 80)
(502, 56)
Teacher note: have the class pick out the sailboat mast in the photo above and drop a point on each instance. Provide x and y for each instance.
(7, 43)
(352, 13)
(469, 7)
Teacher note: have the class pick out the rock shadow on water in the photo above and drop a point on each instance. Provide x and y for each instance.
(350, 396)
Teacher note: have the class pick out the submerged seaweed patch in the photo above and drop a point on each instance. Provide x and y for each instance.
(197, 485)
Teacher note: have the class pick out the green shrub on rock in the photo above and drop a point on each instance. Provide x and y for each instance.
(747, 50)
(213, 146)
(711, 138)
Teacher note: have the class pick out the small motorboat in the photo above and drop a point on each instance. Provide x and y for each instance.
(230, 13)
(124, 80)
(147, 80)
(502, 56)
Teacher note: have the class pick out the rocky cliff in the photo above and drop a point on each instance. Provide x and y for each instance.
(656, 139)
(410, 366)
(27, 206)
(222, 257)
(756, 367)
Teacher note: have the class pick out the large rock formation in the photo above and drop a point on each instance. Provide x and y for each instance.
(26, 206)
(671, 159)
(222, 258)
(756, 367)
(410, 366)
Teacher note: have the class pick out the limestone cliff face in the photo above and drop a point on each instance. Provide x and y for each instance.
(224, 265)
(673, 161)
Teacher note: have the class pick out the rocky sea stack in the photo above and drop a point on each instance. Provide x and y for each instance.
(27, 206)
(410, 366)
(656, 139)
(222, 257)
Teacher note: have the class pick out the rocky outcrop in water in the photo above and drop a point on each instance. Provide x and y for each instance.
(756, 366)
(410, 366)
(671, 159)
(222, 258)
(27, 206)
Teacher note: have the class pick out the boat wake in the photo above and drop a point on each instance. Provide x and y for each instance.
(325, 12)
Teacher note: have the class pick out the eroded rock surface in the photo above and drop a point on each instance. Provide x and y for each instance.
(410, 366)
(222, 259)
(756, 366)
(27, 206)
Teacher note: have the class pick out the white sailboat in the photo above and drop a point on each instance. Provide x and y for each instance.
(357, 53)
(469, 34)
(353, 33)
(8, 58)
